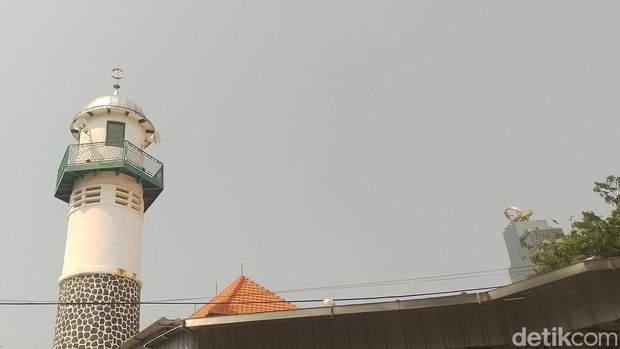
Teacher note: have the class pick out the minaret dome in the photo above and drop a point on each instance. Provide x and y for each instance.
(94, 116)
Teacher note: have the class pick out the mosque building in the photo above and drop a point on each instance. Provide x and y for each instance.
(109, 181)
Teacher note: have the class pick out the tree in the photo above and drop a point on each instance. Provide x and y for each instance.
(593, 235)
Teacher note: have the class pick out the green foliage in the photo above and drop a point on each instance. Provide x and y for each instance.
(594, 235)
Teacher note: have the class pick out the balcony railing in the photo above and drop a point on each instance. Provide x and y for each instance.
(120, 156)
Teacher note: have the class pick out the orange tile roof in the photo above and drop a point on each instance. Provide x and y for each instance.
(243, 296)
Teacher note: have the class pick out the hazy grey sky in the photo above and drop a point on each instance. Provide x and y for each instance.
(319, 142)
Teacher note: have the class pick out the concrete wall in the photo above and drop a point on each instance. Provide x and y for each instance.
(520, 256)
(97, 125)
(104, 233)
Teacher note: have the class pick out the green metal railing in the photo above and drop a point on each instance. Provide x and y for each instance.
(111, 155)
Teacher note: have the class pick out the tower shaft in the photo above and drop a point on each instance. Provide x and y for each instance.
(100, 283)
(96, 311)
(108, 181)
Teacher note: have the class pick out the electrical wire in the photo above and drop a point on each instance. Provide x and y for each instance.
(452, 276)
(455, 276)
(347, 299)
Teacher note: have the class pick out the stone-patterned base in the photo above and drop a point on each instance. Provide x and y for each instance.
(97, 326)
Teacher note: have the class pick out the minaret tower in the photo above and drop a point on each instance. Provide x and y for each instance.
(109, 181)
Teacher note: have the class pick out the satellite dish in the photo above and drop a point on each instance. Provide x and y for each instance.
(80, 123)
(515, 214)
(153, 138)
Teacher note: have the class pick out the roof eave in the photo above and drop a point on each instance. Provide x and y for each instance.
(152, 332)
(591, 264)
(515, 289)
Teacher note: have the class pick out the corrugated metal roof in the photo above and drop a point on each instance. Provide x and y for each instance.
(577, 297)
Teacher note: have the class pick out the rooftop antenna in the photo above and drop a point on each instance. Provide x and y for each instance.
(117, 75)
(241, 268)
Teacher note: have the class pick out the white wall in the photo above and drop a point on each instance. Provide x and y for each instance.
(134, 132)
(104, 237)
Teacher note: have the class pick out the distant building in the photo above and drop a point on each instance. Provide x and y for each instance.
(523, 239)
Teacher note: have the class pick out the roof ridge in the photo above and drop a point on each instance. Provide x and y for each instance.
(243, 296)
(235, 286)
(266, 290)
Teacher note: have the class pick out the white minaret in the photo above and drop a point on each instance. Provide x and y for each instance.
(109, 181)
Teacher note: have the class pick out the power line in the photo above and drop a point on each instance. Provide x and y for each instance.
(347, 299)
(464, 275)
(452, 276)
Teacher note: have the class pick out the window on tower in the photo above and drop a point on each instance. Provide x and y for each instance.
(115, 133)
